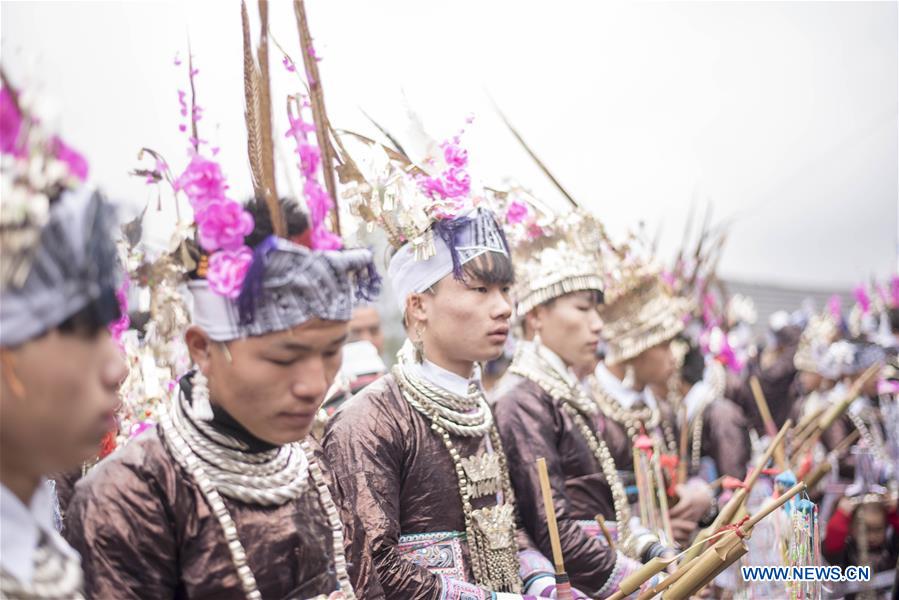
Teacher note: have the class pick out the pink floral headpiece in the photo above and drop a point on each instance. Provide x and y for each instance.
(37, 166)
(220, 224)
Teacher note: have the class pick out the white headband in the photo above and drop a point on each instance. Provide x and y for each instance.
(411, 275)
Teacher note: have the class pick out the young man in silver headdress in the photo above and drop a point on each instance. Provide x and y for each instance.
(542, 409)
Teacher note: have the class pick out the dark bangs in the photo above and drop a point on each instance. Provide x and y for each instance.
(490, 268)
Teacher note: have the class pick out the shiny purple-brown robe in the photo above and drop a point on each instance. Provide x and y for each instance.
(394, 476)
(725, 438)
(144, 530)
(533, 425)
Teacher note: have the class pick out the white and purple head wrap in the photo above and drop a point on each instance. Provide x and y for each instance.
(456, 242)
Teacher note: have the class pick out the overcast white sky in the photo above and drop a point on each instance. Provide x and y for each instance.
(782, 115)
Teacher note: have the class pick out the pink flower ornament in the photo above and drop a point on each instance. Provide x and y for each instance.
(202, 181)
(516, 212)
(222, 225)
(227, 270)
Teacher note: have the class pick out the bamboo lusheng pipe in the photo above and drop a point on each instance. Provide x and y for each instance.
(563, 587)
(662, 496)
(765, 412)
(806, 426)
(727, 513)
(601, 521)
(833, 413)
(724, 552)
(682, 447)
(816, 475)
(639, 477)
(840, 407)
(706, 567)
(825, 420)
(632, 582)
(729, 510)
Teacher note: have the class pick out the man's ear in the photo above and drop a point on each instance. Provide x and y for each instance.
(534, 320)
(199, 345)
(416, 309)
(10, 377)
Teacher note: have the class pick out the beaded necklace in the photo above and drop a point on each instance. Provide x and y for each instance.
(220, 465)
(490, 531)
(574, 401)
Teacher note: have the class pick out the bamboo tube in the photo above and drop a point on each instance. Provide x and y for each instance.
(834, 412)
(563, 587)
(767, 419)
(639, 477)
(667, 582)
(706, 568)
(807, 425)
(601, 521)
(767, 510)
(663, 497)
(727, 513)
(762, 404)
(724, 552)
(632, 582)
(729, 510)
(682, 448)
(816, 475)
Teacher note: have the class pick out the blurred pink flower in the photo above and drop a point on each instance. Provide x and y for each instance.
(72, 158)
(202, 181)
(310, 158)
(516, 212)
(227, 270)
(120, 326)
(323, 239)
(222, 225)
(10, 126)
(534, 231)
(455, 155)
(835, 307)
(864, 301)
(457, 182)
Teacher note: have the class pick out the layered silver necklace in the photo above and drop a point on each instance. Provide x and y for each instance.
(529, 363)
(490, 531)
(222, 465)
(465, 416)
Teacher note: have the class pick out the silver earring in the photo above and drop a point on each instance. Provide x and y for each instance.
(419, 345)
(628, 380)
(538, 341)
(201, 409)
